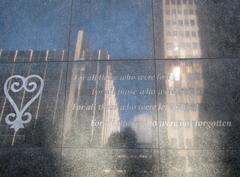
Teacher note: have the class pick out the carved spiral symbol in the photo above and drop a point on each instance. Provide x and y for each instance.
(7, 119)
(16, 87)
(22, 84)
(32, 87)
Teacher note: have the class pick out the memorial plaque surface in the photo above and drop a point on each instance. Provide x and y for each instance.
(146, 88)
(200, 108)
(106, 98)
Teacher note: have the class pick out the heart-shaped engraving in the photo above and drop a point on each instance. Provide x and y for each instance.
(20, 84)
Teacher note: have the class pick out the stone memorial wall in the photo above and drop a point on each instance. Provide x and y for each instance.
(147, 88)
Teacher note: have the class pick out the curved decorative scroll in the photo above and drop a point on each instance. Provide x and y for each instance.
(20, 116)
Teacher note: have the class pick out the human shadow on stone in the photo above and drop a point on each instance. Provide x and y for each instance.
(130, 161)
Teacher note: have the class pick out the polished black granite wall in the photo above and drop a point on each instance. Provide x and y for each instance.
(61, 139)
(53, 144)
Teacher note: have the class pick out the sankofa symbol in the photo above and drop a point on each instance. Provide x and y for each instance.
(15, 84)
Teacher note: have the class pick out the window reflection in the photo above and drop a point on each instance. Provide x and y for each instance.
(181, 40)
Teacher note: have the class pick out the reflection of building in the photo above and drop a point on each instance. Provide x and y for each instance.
(31, 55)
(79, 91)
(96, 124)
(181, 31)
(184, 84)
(111, 118)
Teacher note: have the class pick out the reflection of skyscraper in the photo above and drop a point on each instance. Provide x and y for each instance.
(181, 31)
(83, 93)
(111, 118)
(184, 84)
